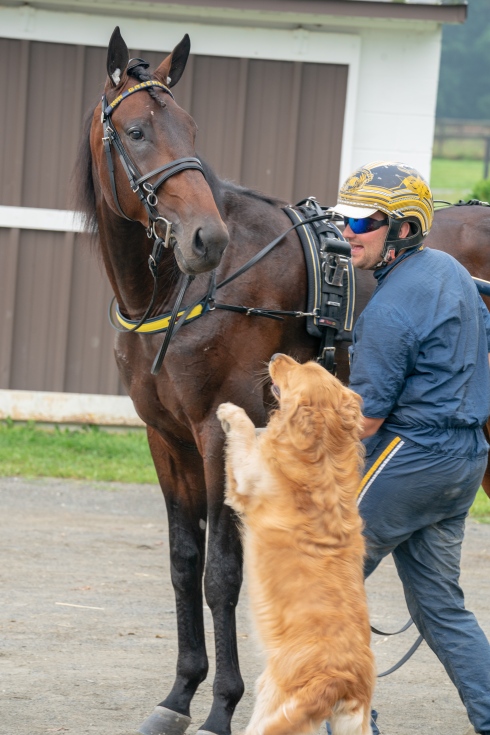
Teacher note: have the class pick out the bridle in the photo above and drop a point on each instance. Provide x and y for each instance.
(139, 183)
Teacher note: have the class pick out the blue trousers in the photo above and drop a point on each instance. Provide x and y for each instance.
(414, 504)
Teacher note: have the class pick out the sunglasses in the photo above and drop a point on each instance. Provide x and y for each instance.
(365, 224)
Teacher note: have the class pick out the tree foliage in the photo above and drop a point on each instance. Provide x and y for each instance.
(464, 81)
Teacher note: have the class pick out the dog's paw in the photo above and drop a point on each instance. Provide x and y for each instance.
(231, 416)
(225, 413)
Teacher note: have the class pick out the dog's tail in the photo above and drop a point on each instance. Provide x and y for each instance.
(320, 700)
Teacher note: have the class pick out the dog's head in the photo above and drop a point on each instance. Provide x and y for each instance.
(316, 412)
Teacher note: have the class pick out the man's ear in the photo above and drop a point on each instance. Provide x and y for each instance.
(405, 230)
(172, 68)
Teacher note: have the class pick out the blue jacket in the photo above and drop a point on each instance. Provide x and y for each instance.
(419, 357)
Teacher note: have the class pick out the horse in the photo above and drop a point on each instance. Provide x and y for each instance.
(191, 227)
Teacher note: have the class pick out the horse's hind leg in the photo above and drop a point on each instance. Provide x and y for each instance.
(181, 477)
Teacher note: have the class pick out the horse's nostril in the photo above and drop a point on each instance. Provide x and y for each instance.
(199, 246)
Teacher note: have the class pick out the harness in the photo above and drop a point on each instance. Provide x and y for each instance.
(331, 280)
(327, 260)
(331, 289)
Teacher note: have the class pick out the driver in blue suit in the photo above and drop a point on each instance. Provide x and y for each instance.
(419, 360)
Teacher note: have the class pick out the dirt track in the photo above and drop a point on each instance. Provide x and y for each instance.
(88, 624)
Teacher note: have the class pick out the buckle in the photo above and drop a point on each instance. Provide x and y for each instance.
(334, 267)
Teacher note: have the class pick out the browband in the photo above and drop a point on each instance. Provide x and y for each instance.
(138, 87)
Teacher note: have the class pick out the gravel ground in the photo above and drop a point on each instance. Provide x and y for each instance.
(88, 640)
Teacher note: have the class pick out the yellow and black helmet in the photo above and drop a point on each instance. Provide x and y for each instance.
(396, 189)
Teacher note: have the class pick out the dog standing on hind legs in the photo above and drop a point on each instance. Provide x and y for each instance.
(294, 487)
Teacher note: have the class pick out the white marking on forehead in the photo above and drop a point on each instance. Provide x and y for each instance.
(202, 524)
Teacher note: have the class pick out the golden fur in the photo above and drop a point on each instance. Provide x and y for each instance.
(294, 486)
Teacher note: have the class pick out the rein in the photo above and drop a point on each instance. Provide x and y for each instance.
(208, 302)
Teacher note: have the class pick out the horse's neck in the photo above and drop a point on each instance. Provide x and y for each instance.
(247, 210)
(125, 249)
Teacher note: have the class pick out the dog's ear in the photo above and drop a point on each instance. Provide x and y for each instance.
(350, 411)
(305, 426)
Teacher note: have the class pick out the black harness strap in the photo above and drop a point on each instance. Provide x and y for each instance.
(258, 256)
(333, 254)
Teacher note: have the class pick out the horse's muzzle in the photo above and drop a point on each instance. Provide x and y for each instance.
(205, 250)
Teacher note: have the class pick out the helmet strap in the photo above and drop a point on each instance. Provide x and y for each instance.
(394, 243)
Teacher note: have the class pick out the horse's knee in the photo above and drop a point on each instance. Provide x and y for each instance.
(222, 583)
(186, 565)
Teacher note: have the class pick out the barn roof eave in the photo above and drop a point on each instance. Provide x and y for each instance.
(303, 11)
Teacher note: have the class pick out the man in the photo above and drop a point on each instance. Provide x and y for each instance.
(419, 360)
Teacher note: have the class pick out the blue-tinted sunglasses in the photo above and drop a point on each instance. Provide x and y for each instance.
(365, 224)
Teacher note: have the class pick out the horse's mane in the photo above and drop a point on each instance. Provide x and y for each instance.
(84, 194)
(84, 190)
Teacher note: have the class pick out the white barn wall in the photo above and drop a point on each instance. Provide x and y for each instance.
(397, 93)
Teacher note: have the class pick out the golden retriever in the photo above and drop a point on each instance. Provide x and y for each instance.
(294, 486)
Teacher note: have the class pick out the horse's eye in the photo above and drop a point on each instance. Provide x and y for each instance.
(135, 134)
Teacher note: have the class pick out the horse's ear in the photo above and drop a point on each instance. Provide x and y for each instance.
(117, 57)
(172, 68)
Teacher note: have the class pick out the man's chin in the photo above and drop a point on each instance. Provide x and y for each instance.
(358, 260)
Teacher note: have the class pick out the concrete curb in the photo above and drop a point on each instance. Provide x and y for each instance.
(68, 408)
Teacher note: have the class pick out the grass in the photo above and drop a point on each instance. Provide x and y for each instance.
(85, 454)
(452, 180)
(94, 455)
(480, 510)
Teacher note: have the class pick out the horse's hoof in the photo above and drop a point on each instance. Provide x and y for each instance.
(165, 721)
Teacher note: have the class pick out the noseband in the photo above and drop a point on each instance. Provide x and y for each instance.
(140, 184)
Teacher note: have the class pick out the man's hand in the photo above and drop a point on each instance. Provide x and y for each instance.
(371, 426)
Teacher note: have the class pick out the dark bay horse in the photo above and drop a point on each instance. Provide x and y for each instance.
(217, 358)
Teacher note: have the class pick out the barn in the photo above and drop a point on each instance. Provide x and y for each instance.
(289, 97)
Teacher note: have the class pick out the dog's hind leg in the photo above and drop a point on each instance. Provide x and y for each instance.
(288, 719)
(350, 719)
(267, 700)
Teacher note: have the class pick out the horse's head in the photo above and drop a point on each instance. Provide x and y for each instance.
(147, 140)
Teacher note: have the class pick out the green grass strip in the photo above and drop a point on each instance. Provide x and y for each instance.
(480, 510)
(104, 456)
(83, 454)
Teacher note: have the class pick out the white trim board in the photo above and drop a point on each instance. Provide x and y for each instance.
(207, 39)
(34, 218)
(68, 408)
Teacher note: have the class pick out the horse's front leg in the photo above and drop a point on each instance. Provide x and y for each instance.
(222, 582)
(181, 477)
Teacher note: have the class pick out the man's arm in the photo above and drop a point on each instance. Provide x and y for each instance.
(370, 426)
